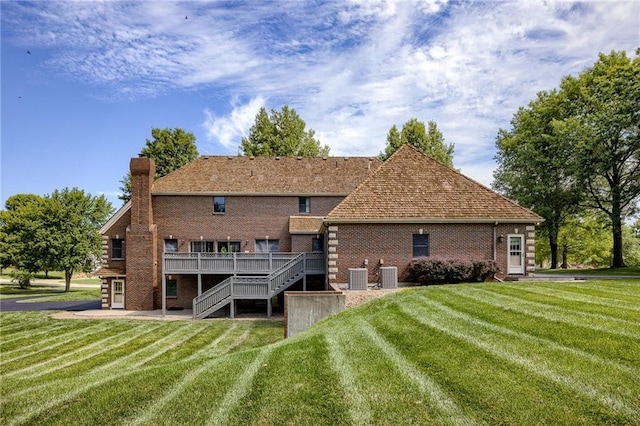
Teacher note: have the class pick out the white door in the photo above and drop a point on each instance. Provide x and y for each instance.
(117, 294)
(516, 254)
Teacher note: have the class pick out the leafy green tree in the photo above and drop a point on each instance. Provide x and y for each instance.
(72, 219)
(427, 139)
(170, 149)
(57, 231)
(21, 229)
(631, 244)
(583, 239)
(532, 165)
(281, 133)
(605, 134)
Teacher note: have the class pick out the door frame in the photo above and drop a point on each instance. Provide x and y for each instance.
(113, 291)
(515, 269)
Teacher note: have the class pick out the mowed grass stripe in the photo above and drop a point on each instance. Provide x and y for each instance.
(359, 408)
(14, 340)
(602, 323)
(608, 378)
(532, 340)
(240, 388)
(83, 353)
(451, 412)
(565, 294)
(177, 388)
(484, 342)
(601, 289)
(50, 343)
(569, 306)
(153, 350)
(54, 394)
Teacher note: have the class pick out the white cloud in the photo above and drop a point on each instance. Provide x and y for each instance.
(228, 130)
(350, 69)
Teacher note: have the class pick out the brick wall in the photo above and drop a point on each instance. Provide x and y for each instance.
(392, 245)
(141, 240)
(246, 219)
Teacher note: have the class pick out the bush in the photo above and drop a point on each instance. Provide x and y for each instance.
(22, 277)
(434, 270)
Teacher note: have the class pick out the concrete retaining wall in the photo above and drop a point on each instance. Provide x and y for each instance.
(302, 309)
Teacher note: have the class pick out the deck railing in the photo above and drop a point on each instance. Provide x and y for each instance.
(236, 263)
(249, 287)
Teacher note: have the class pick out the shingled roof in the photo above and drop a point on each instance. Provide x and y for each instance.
(411, 186)
(239, 175)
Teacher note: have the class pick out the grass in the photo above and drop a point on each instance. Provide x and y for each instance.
(513, 353)
(626, 271)
(48, 293)
(52, 275)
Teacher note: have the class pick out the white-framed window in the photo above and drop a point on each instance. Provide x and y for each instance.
(228, 246)
(219, 204)
(200, 246)
(304, 204)
(420, 245)
(267, 246)
(117, 248)
(170, 245)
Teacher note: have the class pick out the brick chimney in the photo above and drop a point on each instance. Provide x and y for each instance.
(141, 242)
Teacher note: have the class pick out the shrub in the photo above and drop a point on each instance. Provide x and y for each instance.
(22, 277)
(435, 270)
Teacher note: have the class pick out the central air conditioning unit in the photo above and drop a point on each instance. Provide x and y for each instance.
(388, 277)
(358, 278)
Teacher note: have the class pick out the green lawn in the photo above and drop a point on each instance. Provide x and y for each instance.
(626, 271)
(520, 354)
(49, 293)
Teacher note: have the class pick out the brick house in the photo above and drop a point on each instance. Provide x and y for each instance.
(223, 229)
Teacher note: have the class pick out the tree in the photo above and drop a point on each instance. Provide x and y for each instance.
(170, 149)
(57, 231)
(532, 165)
(427, 139)
(605, 135)
(72, 219)
(282, 133)
(21, 226)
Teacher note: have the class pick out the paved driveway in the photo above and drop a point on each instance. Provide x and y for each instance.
(7, 305)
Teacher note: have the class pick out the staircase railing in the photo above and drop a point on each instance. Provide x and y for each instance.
(248, 287)
(287, 271)
(218, 295)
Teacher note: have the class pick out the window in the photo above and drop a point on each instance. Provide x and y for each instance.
(170, 245)
(201, 246)
(266, 246)
(218, 204)
(304, 204)
(172, 288)
(317, 244)
(228, 246)
(117, 248)
(420, 245)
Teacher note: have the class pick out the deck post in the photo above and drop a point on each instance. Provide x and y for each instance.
(232, 308)
(269, 308)
(164, 295)
(199, 284)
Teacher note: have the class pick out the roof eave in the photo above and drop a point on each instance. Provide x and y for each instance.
(496, 221)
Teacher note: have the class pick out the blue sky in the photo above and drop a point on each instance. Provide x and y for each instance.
(84, 82)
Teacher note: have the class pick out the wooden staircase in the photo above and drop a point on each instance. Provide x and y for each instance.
(249, 287)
